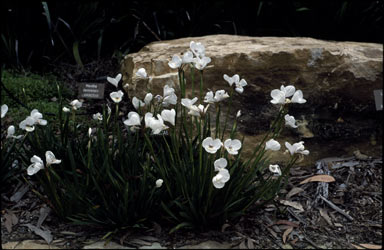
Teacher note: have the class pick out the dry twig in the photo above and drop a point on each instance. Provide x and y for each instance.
(336, 208)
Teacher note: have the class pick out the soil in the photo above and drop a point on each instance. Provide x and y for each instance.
(342, 213)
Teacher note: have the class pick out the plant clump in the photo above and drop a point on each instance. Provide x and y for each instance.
(168, 160)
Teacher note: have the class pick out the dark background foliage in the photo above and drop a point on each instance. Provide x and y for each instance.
(37, 34)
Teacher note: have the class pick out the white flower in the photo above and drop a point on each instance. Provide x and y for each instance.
(272, 145)
(221, 178)
(281, 96)
(37, 116)
(11, 133)
(89, 132)
(209, 97)
(298, 97)
(296, 148)
(187, 57)
(239, 87)
(278, 97)
(238, 114)
(170, 99)
(201, 63)
(114, 81)
(275, 169)
(288, 91)
(197, 48)
(235, 79)
(232, 146)
(76, 104)
(97, 116)
(141, 73)
(148, 98)
(4, 110)
(157, 125)
(220, 164)
(133, 119)
(175, 62)
(36, 165)
(186, 102)
(28, 124)
(197, 110)
(66, 110)
(169, 116)
(290, 121)
(147, 119)
(116, 96)
(220, 95)
(211, 146)
(51, 159)
(169, 96)
(159, 182)
(137, 103)
(168, 90)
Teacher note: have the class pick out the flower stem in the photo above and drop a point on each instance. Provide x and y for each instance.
(229, 110)
(201, 86)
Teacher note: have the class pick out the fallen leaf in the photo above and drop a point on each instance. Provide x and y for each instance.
(325, 215)
(44, 212)
(19, 194)
(293, 192)
(250, 243)
(147, 238)
(46, 235)
(357, 247)
(286, 233)
(242, 245)
(293, 204)
(371, 246)
(287, 222)
(140, 242)
(10, 220)
(272, 232)
(320, 177)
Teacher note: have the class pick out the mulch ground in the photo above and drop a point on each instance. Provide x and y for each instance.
(343, 213)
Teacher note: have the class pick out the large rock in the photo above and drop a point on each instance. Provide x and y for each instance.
(337, 79)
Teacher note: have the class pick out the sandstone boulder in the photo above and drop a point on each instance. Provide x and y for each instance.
(337, 79)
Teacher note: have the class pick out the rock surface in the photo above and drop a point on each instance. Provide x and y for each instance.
(337, 79)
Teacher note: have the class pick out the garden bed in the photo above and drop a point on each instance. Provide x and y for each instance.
(300, 223)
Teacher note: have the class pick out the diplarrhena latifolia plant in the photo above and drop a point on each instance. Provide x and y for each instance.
(168, 160)
(205, 180)
(105, 176)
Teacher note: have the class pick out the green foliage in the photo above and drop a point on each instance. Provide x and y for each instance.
(104, 179)
(10, 160)
(32, 90)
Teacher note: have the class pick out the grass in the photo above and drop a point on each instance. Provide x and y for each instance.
(33, 91)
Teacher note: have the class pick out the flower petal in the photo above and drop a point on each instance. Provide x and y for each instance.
(220, 164)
